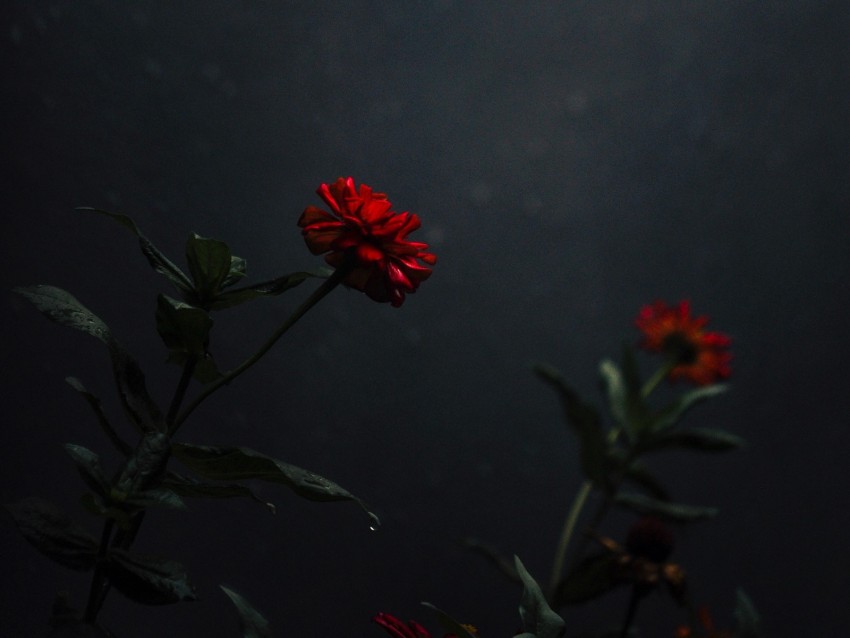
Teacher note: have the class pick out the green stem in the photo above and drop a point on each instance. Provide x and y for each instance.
(182, 386)
(634, 601)
(329, 284)
(576, 508)
(566, 534)
(99, 582)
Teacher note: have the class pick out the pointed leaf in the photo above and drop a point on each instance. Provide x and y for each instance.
(96, 405)
(183, 328)
(698, 439)
(450, 624)
(148, 580)
(61, 307)
(88, 465)
(673, 511)
(538, 618)
(239, 463)
(146, 467)
(591, 578)
(251, 622)
(639, 474)
(507, 566)
(274, 287)
(238, 269)
(625, 400)
(209, 263)
(157, 260)
(185, 486)
(748, 620)
(54, 534)
(673, 413)
(585, 421)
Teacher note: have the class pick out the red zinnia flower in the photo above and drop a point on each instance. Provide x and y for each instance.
(697, 355)
(363, 233)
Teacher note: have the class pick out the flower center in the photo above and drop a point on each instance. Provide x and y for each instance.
(680, 347)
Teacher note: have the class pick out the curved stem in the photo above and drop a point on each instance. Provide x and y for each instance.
(657, 378)
(99, 582)
(566, 534)
(329, 284)
(182, 386)
(634, 602)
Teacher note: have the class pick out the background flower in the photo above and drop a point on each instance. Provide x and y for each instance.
(364, 234)
(696, 355)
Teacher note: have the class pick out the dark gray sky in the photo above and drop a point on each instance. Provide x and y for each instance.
(570, 162)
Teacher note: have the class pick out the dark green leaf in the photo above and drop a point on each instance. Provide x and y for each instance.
(54, 534)
(591, 578)
(699, 439)
(61, 307)
(537, 616)
(625, 400)
(238, 269)
(585, 421)
(148, 579)
(88, 465)
(676, 410)
(99, 507)
(239, 463)
(183, 328)
(154, 497)
(673, 511)
(274, 287)
(639, 474)
(749, 622)
(96, 405)
(505, 565)
(251, 622)
(209, 264)
(145, 468)
(450, 624)
(185, 486)
(157, 260)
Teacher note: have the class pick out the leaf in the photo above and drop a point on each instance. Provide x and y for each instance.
(88, 465)
(186, 486)
(61, 307)
(592, 577)
(699, 439)
(505, 565)
(231, 298)
(96, 405)
(537, 616)
(54, 534)
(676, 410)
(625, 399)
(209, 261)
(157, 260)
(251, 622)
(450, 624)
(585, 421)
(673, 511)
(638, 473)
(748, 620)
(183, 328)
(239, 463)
(238, 269)
(148, 579)
(146, 467)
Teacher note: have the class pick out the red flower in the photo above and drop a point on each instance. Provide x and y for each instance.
(411, 629)
(364, 234)
(697, 355)
(709, 631)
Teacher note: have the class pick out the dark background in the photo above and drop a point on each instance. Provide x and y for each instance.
(570, 161)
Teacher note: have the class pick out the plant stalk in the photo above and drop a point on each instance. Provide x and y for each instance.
(329, 284)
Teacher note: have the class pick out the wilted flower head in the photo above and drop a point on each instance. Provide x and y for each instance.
(363, 234)
(696, 355)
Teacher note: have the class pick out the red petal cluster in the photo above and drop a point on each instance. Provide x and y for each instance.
(364, 234)
(399, 629)
(411, 629)
(699, 356)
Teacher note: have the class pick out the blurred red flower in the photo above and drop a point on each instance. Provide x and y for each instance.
(411, 629)
(696, 355)
(363, 233)
(709, 630)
